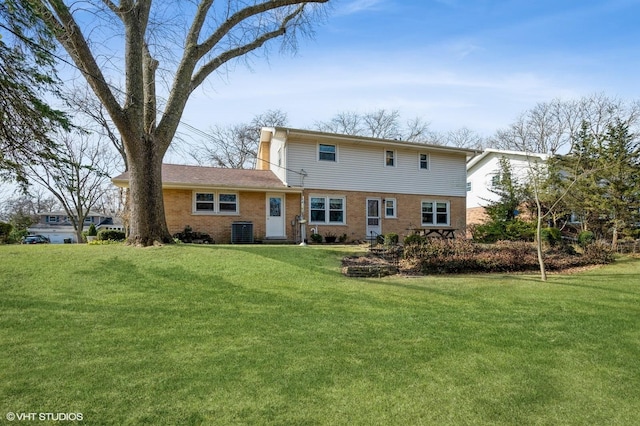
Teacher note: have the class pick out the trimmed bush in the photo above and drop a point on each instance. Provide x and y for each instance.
(586, 238)
(316, 238)
(92, 232)
(391, 239)
(111, 235)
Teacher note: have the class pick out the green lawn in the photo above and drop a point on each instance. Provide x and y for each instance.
(276, 335)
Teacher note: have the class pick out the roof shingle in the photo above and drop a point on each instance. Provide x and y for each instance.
(174, 175)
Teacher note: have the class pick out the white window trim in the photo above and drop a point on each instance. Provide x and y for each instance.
(395, 208)
(395, 158)
(327, 144)
(216, 204)
(420, 161)
(327, 210)
(435, 213)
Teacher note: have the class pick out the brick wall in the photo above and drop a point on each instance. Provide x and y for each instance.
(252, 207)
(178, 204)
(408, 213)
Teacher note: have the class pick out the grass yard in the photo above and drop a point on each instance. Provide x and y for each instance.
(276, 335)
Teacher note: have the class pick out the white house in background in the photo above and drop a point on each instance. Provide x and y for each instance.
(58, 228)
(483, 172)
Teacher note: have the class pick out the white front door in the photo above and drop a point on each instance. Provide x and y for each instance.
(275, 216)
(374, 225)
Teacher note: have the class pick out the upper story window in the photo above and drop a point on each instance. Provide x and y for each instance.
(327, 152)
(390, 158)
(435, 213)
(468, 186)
(423, 161)
(52, 219)
(212, 202)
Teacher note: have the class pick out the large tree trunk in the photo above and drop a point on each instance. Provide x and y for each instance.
(147, 223)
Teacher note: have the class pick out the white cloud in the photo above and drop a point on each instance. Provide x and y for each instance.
(357, 6)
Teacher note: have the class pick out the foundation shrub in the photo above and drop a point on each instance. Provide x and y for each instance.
(111, 235)
(391, 239)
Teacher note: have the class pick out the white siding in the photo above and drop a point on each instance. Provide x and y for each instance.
(278, 154)
(359, 167)
(482, 174)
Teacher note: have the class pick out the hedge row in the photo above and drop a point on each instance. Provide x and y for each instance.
(444, 256)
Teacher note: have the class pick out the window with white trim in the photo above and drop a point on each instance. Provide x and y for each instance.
(390, 207)
(327, 210)
(327, 152)
(435, 213)
(227, 203)
(52, 219)
(215, 203)
(389, 158)
(423, 161)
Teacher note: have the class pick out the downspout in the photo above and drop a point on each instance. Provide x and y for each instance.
(302, 221)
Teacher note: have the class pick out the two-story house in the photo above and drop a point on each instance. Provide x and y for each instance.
(57, 226)
(483, 171)
(325, 183)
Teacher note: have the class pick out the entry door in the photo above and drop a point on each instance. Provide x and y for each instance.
(374, 225)
(275, 216)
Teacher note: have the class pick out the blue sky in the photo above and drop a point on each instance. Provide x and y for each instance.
(453, 63)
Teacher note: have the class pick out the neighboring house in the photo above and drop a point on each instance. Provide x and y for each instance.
(325, 183)
(484, 170)
(57, 227)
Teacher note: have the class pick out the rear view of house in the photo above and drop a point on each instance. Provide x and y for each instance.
(314, 182)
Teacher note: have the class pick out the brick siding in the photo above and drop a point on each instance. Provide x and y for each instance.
(252, 207)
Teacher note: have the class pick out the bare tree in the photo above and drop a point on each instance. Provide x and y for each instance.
(22, 210)
(382, 123)
(552, 127)
(78, 178)
(203, 36)
(236, 146)
(464, 138)
(83, 100)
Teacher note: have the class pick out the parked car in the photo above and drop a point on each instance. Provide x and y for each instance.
(35, 239)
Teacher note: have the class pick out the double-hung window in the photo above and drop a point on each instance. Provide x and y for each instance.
(390, 208)
(327, 210)
(435, 213)
(390, 158)
(327, 152)
(423, 161)
(215, 202)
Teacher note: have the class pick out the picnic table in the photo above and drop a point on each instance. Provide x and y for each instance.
(436, 232)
